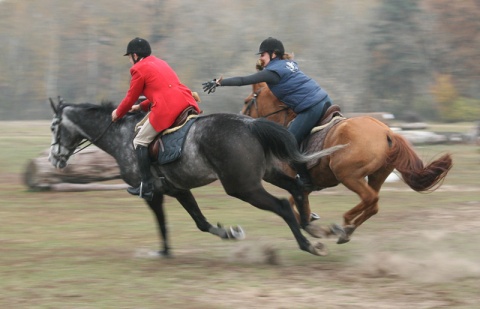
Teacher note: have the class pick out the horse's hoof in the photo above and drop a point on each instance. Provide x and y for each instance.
(345, 237)
(343, 240)
(151, 254)
(349, 229)
(318, 249)
(219, 230)
(314, 217)
(164, 254)
(338, 230)
(315, 231)
(236, 232)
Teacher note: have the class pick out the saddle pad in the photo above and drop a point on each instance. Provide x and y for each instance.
(173, 143)
(316, 138)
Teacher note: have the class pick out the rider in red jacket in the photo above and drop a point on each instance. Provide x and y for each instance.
(166, 97)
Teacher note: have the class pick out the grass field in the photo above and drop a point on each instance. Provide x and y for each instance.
(91, 249)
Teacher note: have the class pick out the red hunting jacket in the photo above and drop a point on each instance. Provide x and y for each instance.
(166, 96)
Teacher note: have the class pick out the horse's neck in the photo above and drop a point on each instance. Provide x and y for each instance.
(115, 139)
(96, 128)
(269, 104)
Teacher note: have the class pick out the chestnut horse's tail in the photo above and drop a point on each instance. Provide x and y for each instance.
(414, 173)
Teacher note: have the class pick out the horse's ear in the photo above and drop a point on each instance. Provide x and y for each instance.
(60, 100)
(53, 105)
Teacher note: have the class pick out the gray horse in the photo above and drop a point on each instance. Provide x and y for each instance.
(235, 149)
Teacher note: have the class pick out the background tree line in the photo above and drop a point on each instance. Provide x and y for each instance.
(402, 56)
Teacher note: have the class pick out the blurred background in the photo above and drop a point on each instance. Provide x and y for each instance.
(416, 59)
(412, 58)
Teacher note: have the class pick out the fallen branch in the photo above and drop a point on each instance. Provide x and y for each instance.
(85, 169)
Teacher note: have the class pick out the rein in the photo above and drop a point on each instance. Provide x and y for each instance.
(94, 141)
(253, 102)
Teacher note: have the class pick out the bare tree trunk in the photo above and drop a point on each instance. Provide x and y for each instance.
(92, 58)
(51, 78)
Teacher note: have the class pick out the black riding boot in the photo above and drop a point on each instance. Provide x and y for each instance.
(145, 190)
(303, 176)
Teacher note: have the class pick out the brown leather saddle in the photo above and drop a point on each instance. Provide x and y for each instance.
(332, 111)
(315, 140)
(157, 144)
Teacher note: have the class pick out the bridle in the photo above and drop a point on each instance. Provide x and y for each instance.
(84, 141)
(57, 122)
(253, 103)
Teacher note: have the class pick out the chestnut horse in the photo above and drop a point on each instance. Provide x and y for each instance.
(373, 152)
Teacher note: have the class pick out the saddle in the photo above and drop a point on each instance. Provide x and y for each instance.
(331, 112)
(157, 143)
(317, 136)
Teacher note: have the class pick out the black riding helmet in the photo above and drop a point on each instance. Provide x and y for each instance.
(139, 46)
(271, 45)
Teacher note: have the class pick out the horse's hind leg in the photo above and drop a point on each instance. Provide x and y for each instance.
(375, 182)
(186, 199)
(368, 206)
(261, 199)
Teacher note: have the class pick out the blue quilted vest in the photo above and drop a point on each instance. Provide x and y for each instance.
(295, 89)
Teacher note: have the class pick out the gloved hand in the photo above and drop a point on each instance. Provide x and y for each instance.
(210, 86)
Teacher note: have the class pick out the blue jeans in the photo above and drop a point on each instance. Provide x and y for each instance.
(307, 119)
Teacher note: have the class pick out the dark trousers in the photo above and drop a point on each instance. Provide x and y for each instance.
(307, 119)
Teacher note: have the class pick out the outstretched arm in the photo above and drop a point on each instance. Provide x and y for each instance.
(267, 76)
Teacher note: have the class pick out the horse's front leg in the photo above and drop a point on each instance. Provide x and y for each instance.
(284, 181)
(186, 199)
(156, 205)
(298, 201)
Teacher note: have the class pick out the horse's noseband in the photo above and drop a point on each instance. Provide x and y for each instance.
(55, 128)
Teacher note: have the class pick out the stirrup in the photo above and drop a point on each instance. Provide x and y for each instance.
(145, 195)
(139, 191)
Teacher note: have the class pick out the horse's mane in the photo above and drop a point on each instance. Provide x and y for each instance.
(104, 107)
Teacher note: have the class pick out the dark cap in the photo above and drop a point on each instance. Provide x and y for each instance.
(138, 46)
(271, 45)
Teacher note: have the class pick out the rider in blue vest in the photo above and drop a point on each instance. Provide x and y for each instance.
(291, 86)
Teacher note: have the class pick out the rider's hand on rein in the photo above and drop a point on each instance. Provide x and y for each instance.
(135, 108)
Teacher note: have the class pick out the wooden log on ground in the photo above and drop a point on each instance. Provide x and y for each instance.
(86, 167)
(80, 187)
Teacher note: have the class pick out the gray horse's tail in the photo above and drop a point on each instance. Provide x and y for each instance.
(280, 143)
